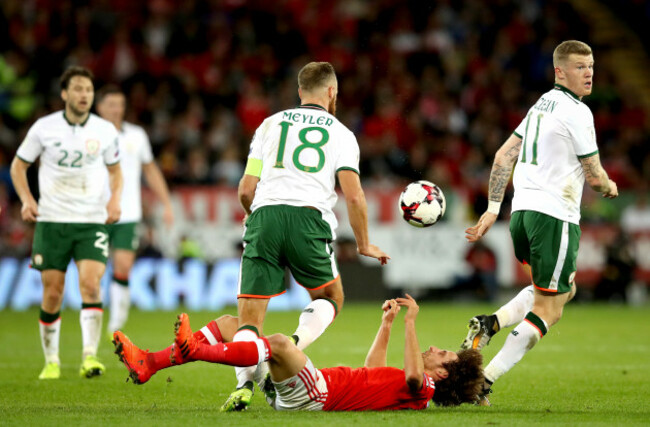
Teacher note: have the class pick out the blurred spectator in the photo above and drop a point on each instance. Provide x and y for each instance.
(636, 216)
(431, 89)
(481, 283)
(619, 269)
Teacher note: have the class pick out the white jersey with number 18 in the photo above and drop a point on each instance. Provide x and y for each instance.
(557, 131)
(301, 150)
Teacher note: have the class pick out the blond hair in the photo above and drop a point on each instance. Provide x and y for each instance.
(568, 47)
(316, 75)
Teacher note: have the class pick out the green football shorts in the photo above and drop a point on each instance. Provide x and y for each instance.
(56, 243)
(280, 236)
(123, 236)
(549, 246)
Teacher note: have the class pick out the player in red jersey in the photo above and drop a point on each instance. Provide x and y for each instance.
(446, 377)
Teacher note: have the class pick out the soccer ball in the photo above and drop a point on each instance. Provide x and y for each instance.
(422, 203)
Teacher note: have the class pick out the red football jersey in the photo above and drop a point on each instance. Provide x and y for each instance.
(373, 389)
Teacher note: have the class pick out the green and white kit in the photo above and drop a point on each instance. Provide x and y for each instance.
(296, 154)
(72, 176)
(557, 131)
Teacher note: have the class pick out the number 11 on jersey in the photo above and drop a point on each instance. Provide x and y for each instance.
(523, 148)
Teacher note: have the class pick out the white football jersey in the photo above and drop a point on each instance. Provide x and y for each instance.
(72, 174)
(557, 131)
(135, 150)
(301, 151)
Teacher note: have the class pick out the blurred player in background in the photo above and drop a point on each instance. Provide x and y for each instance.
(136, 157)
(288, 193)
(75, 148)
(555, 151)
(446, 377)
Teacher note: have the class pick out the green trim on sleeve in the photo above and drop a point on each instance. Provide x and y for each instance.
(112, 164)
(26, 161)
(588, 155)
(346, 168)
(517, 135)
(253, 167)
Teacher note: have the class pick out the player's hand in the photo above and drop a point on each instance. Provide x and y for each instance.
(474, 234)
(29, 211)
(168, 216)
(114, 211)
(613, 190)
(411, 305)
(391, 308)
(374, 252)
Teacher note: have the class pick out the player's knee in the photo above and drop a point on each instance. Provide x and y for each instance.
(227, 318)
(279, 343)
(90, 289)
(52, 297)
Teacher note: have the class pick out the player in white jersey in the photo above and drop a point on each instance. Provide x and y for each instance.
(288, 192)
(136, 158)
(75, 149)
(554, 149)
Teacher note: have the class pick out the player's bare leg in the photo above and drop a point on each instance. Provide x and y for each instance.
(120, 302)
(483, 327)
(50, 322)
(546, 312)
(287, 360)
(251, 313)
(90, 317)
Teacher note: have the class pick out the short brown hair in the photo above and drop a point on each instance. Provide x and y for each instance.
(316, 75)
(109, 89)
(566, 48)
(73, 71)
(464, 382)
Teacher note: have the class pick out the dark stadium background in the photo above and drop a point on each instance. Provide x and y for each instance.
(431, 89)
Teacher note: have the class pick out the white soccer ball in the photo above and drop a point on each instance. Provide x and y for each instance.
(422, 203)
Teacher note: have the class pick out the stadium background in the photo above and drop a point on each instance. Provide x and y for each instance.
(431, 89)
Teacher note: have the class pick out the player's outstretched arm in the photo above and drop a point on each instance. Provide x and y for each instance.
(504, 161)
(377, 354)
(18, 171)
(358, 215)
(597, 178)
(413, 363)
(156, 182)
(116, 183)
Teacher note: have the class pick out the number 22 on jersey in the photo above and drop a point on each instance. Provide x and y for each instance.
(304, 145)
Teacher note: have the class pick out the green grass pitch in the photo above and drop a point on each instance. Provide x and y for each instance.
(593, 368)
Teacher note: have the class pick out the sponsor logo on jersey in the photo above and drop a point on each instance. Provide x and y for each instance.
(38, 259)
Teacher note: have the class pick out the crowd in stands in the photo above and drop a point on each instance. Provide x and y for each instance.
(431, 89)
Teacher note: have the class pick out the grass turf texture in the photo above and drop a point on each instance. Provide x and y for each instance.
(592, 368)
